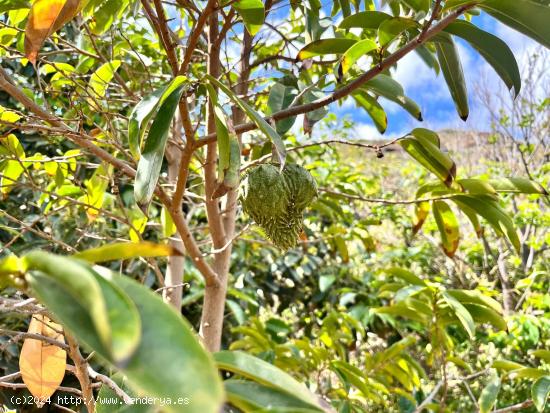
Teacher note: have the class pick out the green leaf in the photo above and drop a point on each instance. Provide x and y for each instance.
(102, 76)
(325, 46)
(525, 16)
(540, 392)
(170, 362)
(126, 250)
(390, 29)
(482, 314)
(373, 108)
(281, 97)
(528, 373)
(105, 13)
(7, 5)
(405, 275)
(472, 217)
(455, 4)
(448, 227)
(495, 51)
(252, 13)
(507, 365)
(262, 372)
(449, 61)
(542, 354)
(418, 5)
(476, 297)
(249, 396)
(385, 86)
(489, 209)
(364, 20)
(265, 127)
(489, 395)
(111, 322)
(357, 51)
(518, 186)
(150, 163)
(461, 313)
(477, 187)
(430, 157)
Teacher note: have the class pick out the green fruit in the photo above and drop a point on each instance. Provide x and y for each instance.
(276, 200)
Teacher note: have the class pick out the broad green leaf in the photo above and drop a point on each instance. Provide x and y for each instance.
(395, 349)
(373, 109)
(461, 313)
(116, 323)
(281, 97)
(325, 46)
(357, 51)
(390, 29)
(364, 20)
(472, 217)
(476, 297)
(489, 209)
(418, 5)
(528, 373)
(427, 134)
(6, 5)
(495, 51)
(540, 392)
(105, 13)
(448, 227)
(170, 362)
(140, 116)
(477, 187)
(405, 275)
(542, 354)
(390, 89)
(102, 76)
(482, 314)
(252, 13)
(518, 186)
(450, 64)
(526, 16)
(455, 4)
(431, 157)
(126, 250)
(428, 57)
(506, 365)
(249, 396)
(150, 163)
(262, 372)
(489, 395)
(9, 174)
(257, 119)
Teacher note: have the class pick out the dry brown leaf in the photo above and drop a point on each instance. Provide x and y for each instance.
(46, 16)
(42, 364)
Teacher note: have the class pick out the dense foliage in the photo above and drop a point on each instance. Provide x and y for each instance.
(191, 149)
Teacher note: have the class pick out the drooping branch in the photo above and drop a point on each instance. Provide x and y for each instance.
(357, 83)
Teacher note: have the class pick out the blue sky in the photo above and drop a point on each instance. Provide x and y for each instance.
(430, 91)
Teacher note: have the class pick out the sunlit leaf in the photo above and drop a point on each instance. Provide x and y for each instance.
(357, 51)
(126, 250)
(448, 227)
(373, 109)
(489, 395)
(540, 392)
(325, 46)
(365, 20)
(252, 12)
(100, 79)
(461, 313)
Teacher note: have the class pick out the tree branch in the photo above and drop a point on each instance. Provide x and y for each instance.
(355, 84)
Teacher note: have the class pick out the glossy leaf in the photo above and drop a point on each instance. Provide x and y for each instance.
(540, 391)
(390, 89)
(392, 28)
(262, 372)
(150, 163)
(518, 186)
(252, 13)
(454, 4)
(249, 396)
(355, 52)
(116, 323)
(476, 297)
(364, 20)
(431, 157)
(450, 64)
(46, 17)
(281, 97)
(495, 51)
(461, 313)
(102, 76)
(265, 127)
(125, 251)
(373, 109)
(448, 227)
(326, 46)
(526, 16)
(489, 395)
(489, 209)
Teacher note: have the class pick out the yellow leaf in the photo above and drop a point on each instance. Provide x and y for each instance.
(45, 18)
(43, 364)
